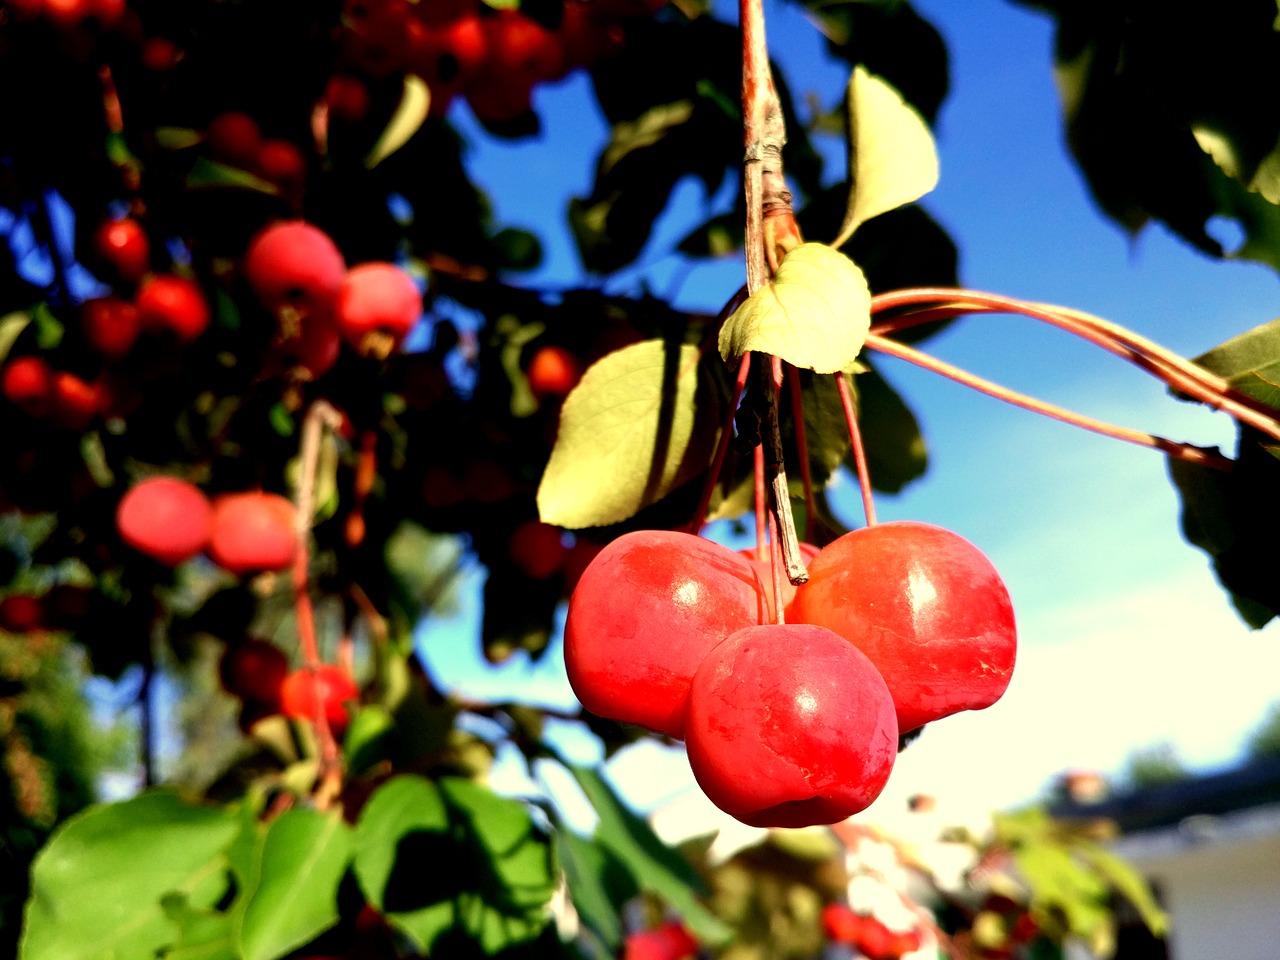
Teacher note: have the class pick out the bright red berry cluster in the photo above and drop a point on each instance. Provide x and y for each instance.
(171, 521)
(793, 723)
(464, 48)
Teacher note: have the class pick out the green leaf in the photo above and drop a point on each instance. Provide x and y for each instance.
(98, 884)
(178, 138)
(656, 867)
(207, 174)
(814, 314)
(892, 157)
(1129, 883)
(598, 882)
(1250, 361)
(366, 743)
(410, 113)
(641, 422)
(895, 448)
(404, 807)
(303, 857)
(49, 329)
(499, 881)
(11, 327)
(202, 934)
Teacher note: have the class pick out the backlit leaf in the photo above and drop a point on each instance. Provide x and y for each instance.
(410, 113)
(1251, 361)
(641, 422)
(97, 887)
(814, 314)
(892, 157)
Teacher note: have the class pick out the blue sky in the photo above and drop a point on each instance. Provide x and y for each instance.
(1125, 638)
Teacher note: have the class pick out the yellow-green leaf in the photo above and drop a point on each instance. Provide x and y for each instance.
(415, 101)
(641, 422)
(814, 314)
(892, 157)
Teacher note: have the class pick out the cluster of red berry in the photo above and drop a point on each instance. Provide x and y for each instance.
(171, 521)
(492, 58)
(867, 934)
(796, 723)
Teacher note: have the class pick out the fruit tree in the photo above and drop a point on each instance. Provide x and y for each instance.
(274, 372)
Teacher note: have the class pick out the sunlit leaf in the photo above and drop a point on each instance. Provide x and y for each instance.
(598, 882)
(892, 157)
(97, 886)
(1250, 361)
(11, 327)
(206, 173)
(410, 113)
(814, 314)
(1126, 879)
(640, 422)
(303, 857)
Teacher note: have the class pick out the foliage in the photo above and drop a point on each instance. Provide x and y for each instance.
(1154, 766)
(262, 830)
(1264, 741)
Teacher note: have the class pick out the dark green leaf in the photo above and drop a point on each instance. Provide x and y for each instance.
(895, 448)
(206, 174)
(598, 882)
(1251, 361)
(656, 867)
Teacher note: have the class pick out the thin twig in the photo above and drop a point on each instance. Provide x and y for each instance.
(859, 452)
(1181, 451)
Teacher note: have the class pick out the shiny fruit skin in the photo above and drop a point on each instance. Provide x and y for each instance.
(166, 518)
(304, 693)
(254, 670)
(377, 298)
(294, 263)
(110, 326)
(789, 725)
(168, 303)
(124, 244)
(645, 612)
(926, 606)
(252, 531)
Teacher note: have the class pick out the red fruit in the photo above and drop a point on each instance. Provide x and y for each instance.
(252, 531)
(876, 941)
(789, 725)
(764, 570)
(926, 606)
(20, 613)
(377, 35)
(281, 162)
(27, 382)
(124, 244)
(630, 8)
(442, 11)
(377, 298)
(294, 263)
(448, 56)
(536, 548)
(519, 49)
(671, 941)
(234, 138)
(254, 670)
(73, 403)
(168, 303)
(840, 922)
(586, 35)
(166, 518)
(553, 372)
(329, 688)
(316, 347)
(645, 613)
(110, 326)
(159, 54)
(346, 97)
(495, 98)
